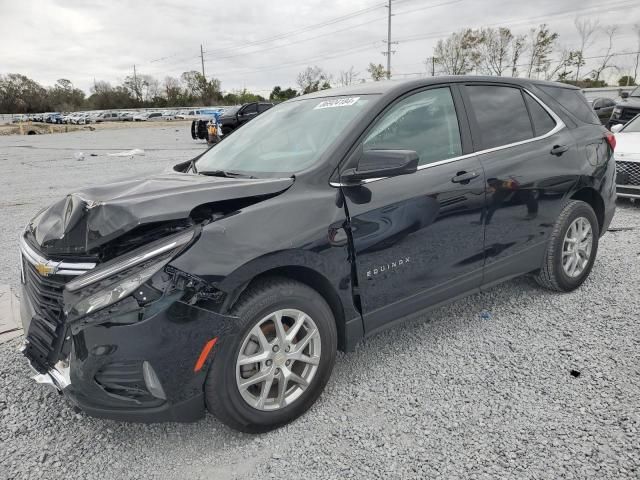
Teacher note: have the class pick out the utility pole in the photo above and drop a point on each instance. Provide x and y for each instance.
(389, 42)
(135, 83)
(433, 66)
(202, 60)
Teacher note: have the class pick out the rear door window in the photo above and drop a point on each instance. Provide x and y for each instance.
(573, 101)
(542, 121)
(501, 115)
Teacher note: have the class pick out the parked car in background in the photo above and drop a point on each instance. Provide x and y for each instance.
(625, 109)
(234, 117)
(230, 282)
(169, 114)
(20, 118)
(109, 117)
(628, 158)
(126, 116)
(603, 108)
(187, 114)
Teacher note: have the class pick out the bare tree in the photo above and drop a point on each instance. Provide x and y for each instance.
(610, 31)
(348, 77)
(518, 46)
(587, 29)
(459, 53)
(559, 70)
(312, 79)
(494, 49)
(541, 46)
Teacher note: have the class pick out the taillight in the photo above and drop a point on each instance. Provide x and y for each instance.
(611, 140)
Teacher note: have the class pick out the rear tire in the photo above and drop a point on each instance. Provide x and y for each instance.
(250, 409)
(572, 248)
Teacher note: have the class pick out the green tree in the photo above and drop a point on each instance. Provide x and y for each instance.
(626, 81)
(377, 72)
(279, 95)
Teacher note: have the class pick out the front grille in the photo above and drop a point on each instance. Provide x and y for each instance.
(628, 113)
(47, 325)
(627, 173)
(125, 380)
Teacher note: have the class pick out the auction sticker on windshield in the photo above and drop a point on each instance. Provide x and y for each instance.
(337, 102)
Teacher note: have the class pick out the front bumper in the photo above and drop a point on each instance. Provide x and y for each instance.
(105, 377)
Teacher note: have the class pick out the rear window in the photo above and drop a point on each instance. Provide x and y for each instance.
(573, 101)
(501, 115)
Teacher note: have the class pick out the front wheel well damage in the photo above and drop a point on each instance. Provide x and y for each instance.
(593, 198)
(312, 279)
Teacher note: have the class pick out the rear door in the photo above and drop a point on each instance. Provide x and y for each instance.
(417, 237)
(530, 162)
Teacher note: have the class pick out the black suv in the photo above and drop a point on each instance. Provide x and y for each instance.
(230, 282)
(628, 108)
(234, 117)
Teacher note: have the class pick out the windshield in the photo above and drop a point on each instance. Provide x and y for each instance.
(635, 92)
(285, 139)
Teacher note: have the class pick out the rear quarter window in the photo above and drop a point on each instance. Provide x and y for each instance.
(573, 101)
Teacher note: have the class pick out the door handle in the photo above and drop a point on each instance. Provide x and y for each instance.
(559, 150)
(464, 177)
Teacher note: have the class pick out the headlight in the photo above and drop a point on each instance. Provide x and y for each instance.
(118, 278)
(131, 259)
(116, 291)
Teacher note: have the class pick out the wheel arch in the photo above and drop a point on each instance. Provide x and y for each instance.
(591, 196)
(239, 281)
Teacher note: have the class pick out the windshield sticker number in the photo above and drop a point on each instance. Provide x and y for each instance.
(337, 102)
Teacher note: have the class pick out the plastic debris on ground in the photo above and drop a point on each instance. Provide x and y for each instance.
(128, 153)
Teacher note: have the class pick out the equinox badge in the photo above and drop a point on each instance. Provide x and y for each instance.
(389, 266)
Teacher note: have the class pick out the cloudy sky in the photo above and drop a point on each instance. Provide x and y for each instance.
(258, 44)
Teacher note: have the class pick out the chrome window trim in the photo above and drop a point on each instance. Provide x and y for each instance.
(559, 126)
(60, 268)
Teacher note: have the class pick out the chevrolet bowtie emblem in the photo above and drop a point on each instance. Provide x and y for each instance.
(45, 269)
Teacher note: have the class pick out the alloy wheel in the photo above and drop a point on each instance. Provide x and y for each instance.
(577, 246)
(278, 359)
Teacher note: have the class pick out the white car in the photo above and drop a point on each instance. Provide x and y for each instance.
(628, 158)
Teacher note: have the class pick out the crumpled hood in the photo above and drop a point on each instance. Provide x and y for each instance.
(94, 216)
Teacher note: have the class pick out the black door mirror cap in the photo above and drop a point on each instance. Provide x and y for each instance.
(381, 164)
(624, 95)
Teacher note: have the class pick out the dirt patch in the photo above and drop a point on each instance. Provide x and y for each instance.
(33, 128)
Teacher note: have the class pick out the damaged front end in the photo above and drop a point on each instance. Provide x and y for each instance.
(116, 337)
(108, 320)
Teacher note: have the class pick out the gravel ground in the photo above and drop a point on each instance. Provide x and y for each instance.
(516, 382)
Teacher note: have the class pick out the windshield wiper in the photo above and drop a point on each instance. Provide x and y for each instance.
(224, 173)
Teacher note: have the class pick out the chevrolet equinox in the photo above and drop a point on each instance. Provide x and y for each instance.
(229, 282)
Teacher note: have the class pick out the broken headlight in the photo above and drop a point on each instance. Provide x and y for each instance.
(118, 278)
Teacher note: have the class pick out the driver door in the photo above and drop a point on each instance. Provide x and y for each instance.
(417, 238)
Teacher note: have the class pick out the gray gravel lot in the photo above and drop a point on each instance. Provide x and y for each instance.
(479, 389)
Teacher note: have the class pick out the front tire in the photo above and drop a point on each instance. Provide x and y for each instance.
(572, 248)
(276, 361)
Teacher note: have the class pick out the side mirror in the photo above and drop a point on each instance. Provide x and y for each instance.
(624, 95)
(616, 128)
(382, 163)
